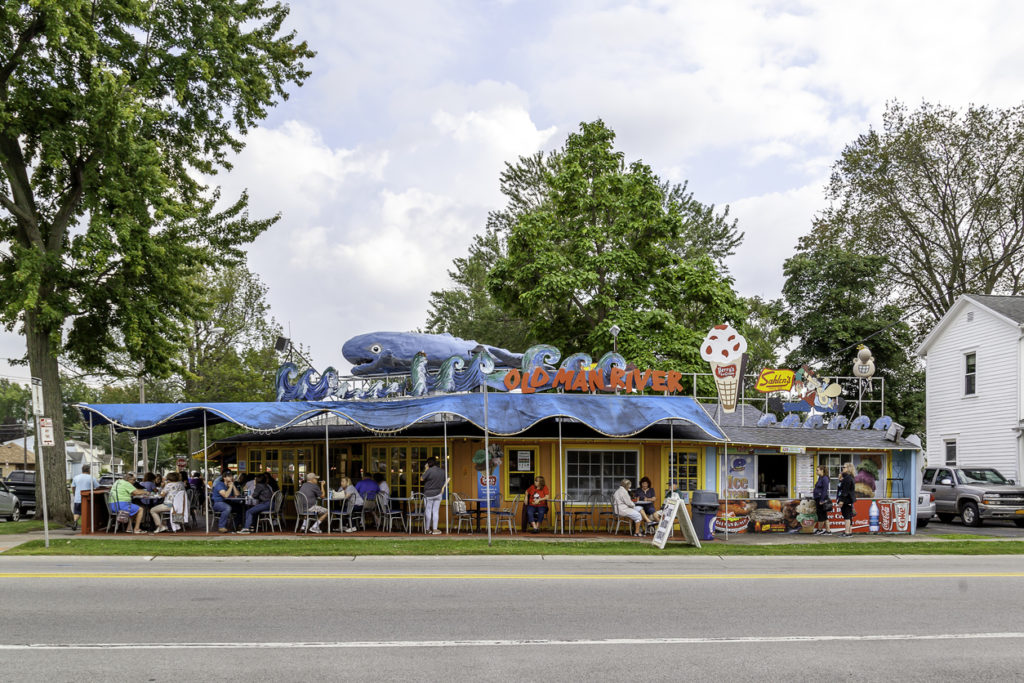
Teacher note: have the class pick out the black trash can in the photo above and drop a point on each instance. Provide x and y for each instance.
(704, 505)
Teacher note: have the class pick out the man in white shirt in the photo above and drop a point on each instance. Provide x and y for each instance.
(81, 482)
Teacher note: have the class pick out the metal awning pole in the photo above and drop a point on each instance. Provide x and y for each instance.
(92, 489)
(206, 473)
(487, 463)
(447, 506)
(561, 478)
(327, 473)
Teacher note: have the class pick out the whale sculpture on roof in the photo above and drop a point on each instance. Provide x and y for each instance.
(393, 352)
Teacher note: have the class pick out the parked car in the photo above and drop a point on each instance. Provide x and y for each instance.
(108, 478)
(22, 484)
(925, 508)
(975, 494)
(10, 506)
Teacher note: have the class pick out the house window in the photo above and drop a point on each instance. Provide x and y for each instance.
(598, 472)
(833, 464)
(686, 466)
(970, 374)
(951, 452)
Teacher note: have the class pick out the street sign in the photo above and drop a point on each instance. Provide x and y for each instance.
(37, 396)
(182, 462)
(46, 432)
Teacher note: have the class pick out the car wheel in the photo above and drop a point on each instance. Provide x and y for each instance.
(922, 523)
(945, 517)
(15, 514)
(969, 513)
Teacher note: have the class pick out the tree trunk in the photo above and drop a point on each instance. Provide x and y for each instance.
(43, 364)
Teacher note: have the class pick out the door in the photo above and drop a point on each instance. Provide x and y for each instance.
(6, 500)
(945, 494)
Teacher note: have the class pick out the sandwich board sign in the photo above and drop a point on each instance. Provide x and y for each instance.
(673, 512)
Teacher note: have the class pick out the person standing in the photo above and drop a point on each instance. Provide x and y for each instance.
(81, 482)
(822, 502)
(537, 497)
(433, 486)
(846, 497)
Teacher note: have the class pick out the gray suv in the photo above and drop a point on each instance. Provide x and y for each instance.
(974, 493)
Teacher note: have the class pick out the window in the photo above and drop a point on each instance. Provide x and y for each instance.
(685, 466)
(833, 464)
(951, 452)
(970, 374)
(598, 472)
(928, 474)
(521, 468)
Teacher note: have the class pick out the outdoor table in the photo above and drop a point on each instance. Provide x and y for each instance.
(238, 506)
(147, 503)
(479, 509)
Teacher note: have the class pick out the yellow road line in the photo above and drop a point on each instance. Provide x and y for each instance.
(511, 577)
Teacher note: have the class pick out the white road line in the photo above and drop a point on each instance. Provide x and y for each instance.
(371, 644)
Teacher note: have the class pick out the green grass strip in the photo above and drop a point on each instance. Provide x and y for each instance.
(25, 526)
(348, 547)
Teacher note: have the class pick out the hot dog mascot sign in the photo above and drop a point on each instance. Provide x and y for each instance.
(726, 350)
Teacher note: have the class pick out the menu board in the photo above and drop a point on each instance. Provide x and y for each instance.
(804, 474)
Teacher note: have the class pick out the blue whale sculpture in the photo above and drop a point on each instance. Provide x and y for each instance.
(387, 352)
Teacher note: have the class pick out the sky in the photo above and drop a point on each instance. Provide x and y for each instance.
(386, 162)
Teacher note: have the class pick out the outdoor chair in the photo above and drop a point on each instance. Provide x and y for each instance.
(416, 512)
(302, 512)
(385, 514)
(346, 516)
(618, 520)
(606, 515)
(272, 516)
(507, 515)
(178, 502)
(461, 512)
(582, 514)
(112, 515)
(195, 508)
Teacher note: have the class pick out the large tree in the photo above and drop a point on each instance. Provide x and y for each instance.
(110, 115)
(603, 248)
(836, 299)
(939, 193)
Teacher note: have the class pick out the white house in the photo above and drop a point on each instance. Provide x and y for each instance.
(975, 384)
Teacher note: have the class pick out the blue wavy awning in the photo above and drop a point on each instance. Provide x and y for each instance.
(508, 414)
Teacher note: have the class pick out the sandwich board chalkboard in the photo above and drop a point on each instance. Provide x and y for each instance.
(673, 512)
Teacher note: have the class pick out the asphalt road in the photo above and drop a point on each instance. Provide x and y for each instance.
(996, 528)
(524, 618)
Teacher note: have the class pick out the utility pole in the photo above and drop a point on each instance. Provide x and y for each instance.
(24, 442)
(145, 449)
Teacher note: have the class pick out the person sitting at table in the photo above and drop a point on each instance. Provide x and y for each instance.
(537, 497)
(272, 483)
(645, 497)
(223, 487)
(382, 484)
(148, 482)
(261, 495)
(623, 506)
(173, 485)
(313, 491)
(368, 489)
(158, 482)
(120, 497)
(345, 491)
(196, 481)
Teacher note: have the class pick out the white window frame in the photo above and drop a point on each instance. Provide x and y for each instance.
(946, 443)
(972, 375)
(610, 481)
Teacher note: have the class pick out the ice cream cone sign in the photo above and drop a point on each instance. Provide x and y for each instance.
(724, 349)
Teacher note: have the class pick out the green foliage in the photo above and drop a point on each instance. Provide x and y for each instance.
(761, 326)
(938, 193)
(605, 244)
(838, 299)
(13, 399)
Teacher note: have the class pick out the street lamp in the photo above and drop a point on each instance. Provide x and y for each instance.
(615, 337)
